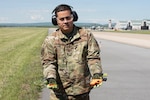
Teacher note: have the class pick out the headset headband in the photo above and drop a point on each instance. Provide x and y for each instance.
(57, 9)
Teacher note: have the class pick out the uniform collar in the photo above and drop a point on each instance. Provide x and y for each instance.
(75, 33)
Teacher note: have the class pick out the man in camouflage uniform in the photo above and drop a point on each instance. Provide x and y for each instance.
(70, 57)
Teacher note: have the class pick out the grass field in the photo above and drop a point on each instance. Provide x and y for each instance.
(20, 62)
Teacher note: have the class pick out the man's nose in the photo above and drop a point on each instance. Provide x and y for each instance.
(65, 20)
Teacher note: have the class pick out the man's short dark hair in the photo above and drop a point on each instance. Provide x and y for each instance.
(62, 7)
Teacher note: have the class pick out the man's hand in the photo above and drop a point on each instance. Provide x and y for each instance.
(98, 79)
(96, 82)
(51, 83)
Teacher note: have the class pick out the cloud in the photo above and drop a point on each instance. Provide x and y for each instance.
(87, 10)
(39, 11)
(94, 20)
(36, 17)
(3, 19)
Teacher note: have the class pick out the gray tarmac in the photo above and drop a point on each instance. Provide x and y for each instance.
(141, 40)
(128, 69)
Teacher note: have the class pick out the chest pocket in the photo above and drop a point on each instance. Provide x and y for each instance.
(75, 51)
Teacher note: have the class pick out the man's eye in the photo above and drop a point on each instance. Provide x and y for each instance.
(68, 18)
(62, 19)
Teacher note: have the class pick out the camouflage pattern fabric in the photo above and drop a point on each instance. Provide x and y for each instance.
(54, 96)
(71, 61)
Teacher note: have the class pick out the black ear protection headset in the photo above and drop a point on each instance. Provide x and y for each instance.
(54, 20)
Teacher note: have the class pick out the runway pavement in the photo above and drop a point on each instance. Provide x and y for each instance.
(142, 40)
(128, 69)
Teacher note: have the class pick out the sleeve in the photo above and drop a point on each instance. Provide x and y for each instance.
(48, 58)
(94, 60)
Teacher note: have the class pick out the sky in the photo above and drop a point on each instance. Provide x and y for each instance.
(89, 11)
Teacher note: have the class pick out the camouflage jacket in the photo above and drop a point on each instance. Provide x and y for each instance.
(71, 62)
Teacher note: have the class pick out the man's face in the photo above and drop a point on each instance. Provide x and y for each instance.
(65, 21)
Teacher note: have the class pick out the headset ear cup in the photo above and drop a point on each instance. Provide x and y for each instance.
(54, 21)
(75, 16)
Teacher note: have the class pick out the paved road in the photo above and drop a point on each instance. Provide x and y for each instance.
(142, 40)
(128, 69)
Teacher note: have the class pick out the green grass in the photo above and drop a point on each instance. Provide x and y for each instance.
(20, 64)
